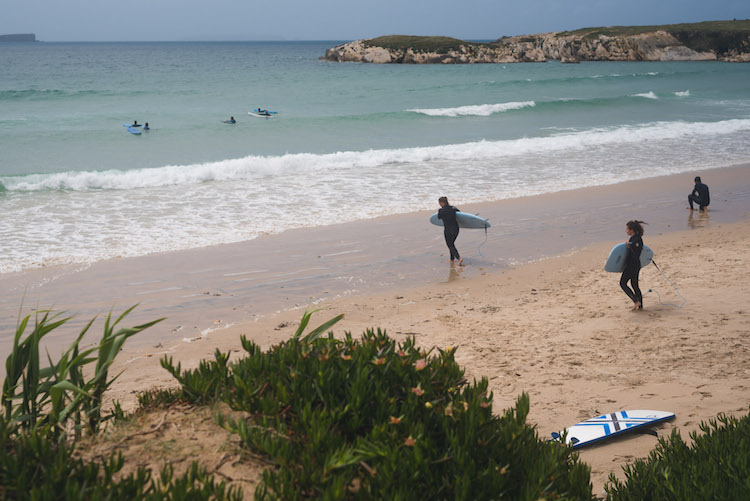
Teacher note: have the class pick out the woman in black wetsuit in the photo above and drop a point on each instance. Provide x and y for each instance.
(447, 214)
(633, 263)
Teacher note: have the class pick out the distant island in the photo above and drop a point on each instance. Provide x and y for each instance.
(707, 41)
(23, 37)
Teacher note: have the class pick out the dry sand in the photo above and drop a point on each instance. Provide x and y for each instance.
(558, 328)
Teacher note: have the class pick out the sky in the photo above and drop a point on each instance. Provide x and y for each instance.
(199, 20)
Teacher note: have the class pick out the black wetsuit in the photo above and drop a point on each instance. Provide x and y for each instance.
(700, 196)
(633, 269)
(448, 215)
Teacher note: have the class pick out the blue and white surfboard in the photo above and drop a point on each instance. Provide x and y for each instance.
(617, 256)
(464, 219)
(610, 425)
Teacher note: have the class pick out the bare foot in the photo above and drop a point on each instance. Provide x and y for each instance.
(636, 306)
(460, 262)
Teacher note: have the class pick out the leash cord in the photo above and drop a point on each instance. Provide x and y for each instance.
(670, 283)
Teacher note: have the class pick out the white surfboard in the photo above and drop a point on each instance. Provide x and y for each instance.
(465, 220)
(616, 260)
(610, 425)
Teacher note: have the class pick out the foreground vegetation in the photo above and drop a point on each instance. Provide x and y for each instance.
(47, 408)
(365, 418)
(715, 466)
(375, 419)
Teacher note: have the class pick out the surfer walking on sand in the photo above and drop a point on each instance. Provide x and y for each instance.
(447, 214)
(633, 263)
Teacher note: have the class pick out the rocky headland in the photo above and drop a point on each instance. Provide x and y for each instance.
(710, 41)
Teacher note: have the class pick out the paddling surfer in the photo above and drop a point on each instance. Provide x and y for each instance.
(633, 263)
(447, 214)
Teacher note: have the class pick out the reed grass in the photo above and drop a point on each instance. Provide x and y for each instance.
(60, 395)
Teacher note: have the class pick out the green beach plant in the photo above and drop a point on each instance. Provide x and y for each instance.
(34, 465)
(60, 394)
(715, 466)
(373, 418)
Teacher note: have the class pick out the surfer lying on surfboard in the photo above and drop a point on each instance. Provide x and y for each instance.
(633, 263)
(447, 214)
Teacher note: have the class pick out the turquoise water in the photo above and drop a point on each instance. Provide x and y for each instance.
(350, 141)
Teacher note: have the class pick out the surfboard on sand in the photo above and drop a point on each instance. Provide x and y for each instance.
(465, 220)
(611, 425)
(616, 260)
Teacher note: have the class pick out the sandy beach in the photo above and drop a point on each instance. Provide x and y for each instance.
(532, 311)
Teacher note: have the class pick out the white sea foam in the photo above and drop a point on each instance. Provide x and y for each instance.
(101, 215)
(647, 95)
(481, 110)
(682, 93)
(256, 168)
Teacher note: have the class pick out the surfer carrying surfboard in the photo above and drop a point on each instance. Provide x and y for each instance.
(633, 263)
(447, 214)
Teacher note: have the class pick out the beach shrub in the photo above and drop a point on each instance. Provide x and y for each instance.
(59, 395)
(715, 466)
(41, 404)
(372, 418)
(34, 464)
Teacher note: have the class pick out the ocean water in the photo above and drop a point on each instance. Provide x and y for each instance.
(349, 141)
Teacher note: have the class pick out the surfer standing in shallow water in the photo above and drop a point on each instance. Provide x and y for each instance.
(633, 263)
(447, 214)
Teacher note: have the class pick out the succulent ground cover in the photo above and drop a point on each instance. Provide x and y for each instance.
(315, 417)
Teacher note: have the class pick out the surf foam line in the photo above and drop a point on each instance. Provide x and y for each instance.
(481, 110)
(302, 164)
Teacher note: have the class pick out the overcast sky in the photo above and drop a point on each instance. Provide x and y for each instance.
(166, 20)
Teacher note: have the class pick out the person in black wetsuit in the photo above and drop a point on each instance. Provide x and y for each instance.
(447, 214)
(699, 195)
(633, 263)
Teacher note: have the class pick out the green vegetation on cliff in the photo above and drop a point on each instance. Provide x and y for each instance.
(706, 27)
(720, 37)
(717, 36)
(424, 44)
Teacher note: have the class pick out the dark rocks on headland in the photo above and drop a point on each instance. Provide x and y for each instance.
(23, 37)
(709, 41)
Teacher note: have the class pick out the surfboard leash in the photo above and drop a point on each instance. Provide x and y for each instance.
(479, 249)
(670, 283)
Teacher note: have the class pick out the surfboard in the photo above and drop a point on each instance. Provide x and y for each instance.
(131, 125)
(611, 425)
(229, 122)
(135, 131)
(616, 260)
(465, 220)
(258, 115)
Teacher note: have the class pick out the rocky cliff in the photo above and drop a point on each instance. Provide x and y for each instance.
(683, 44)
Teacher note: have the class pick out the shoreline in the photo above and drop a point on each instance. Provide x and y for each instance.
(201, 291)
